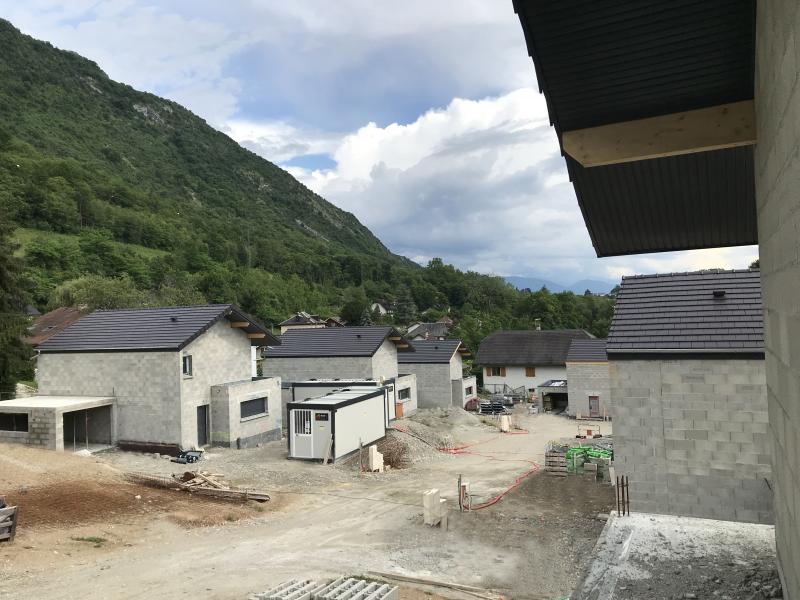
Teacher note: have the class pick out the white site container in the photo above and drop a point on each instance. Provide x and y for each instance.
(313, 388)
(334, 424)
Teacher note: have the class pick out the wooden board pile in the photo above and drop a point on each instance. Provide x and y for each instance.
(200, 482)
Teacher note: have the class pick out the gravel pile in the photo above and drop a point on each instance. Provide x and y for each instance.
(446, 419)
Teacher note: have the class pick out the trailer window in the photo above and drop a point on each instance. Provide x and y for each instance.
(302, 422)
(13, 421)
(253, 408)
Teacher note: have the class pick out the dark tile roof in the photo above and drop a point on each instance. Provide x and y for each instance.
(430, 351)
(587, 351)
(643, 59)
(333, 341)
(49, 324)
(434, 330)
(302, 318)
(680, 312)
(528, 347)
(148, 329)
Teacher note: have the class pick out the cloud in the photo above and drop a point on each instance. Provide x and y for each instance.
(330, 66)
(482, 184)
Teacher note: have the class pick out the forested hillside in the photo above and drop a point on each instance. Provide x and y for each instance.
(121, 198)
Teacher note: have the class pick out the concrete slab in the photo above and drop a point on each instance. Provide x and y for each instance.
(60, 403)
(663, 556)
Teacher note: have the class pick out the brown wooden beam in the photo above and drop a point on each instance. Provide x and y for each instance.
(240, 324)
(714, 128)
(403, 346)
(256, 336)
(395, 338)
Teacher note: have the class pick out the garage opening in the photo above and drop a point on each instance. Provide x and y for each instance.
(88, 429)
(555, 402)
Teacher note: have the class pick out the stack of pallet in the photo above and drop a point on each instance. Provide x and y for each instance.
(8, 522)
(555, 463)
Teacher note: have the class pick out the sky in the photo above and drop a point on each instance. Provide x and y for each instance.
(421, 118)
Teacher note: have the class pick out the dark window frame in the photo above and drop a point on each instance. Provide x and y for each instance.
(245, 408)
(404, 394)
(186, 360)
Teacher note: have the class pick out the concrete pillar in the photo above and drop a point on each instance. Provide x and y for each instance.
(777, 172)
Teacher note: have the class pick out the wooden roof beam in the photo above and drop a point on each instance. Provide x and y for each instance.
(256, 336)
(714, 128)
(240, 324)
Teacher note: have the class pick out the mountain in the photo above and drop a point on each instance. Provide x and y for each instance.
(534, 283)
(119, 198)
(151, 171)
(596, 286)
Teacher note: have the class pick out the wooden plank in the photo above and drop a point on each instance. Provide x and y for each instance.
(256, 336)
(713, 128)
(240, 324)
(9, 512)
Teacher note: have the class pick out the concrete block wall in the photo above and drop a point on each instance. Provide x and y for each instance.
(384, 361)
(777, 173)
(145, 384)
(303, 369)
(227, 426)
(45, 430)
(692, 437)
(408, 381)
(220, 355)
(586, 379)
(434, 386)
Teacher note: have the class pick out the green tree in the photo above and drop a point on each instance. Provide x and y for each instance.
(97, 292)
(15, 355)
(354, 306)
(366, 317)
(405, 310)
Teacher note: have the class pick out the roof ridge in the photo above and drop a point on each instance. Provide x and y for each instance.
(148, 308)
(699, 272)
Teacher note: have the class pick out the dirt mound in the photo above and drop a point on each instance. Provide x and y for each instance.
(445, 419)
(401, 449)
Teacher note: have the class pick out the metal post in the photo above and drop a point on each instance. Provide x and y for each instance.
(86, 431)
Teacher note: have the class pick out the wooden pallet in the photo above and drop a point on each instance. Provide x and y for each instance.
(8, 522)
(555, 463)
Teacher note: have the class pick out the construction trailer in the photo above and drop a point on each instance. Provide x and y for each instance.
(337, 424)
(401, 399)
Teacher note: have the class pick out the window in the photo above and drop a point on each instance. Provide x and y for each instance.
(469, 391)
(253, 408)
(13, 421)
(404, 394)
(495, 371)
(530, 371)
(187, 365)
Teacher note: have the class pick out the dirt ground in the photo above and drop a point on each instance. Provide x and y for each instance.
(322, 521)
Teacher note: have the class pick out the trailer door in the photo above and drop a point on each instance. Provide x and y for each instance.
(302, 445)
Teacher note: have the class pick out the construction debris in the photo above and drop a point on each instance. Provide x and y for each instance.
(340, 589)
(199, 482)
